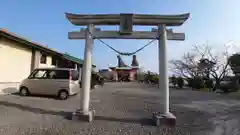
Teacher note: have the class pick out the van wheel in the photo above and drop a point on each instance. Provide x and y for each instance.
(63, 95)
(24, 91)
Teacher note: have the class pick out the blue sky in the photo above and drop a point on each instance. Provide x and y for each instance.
(213, 21)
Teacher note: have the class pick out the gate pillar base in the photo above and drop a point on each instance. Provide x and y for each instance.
(161, 119)
(83, 116)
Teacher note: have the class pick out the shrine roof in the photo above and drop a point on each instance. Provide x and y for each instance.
(138, 19)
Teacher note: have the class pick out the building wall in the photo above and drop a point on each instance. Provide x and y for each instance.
(132, 73)
(35, 62)
(15, 61)
(18, 60)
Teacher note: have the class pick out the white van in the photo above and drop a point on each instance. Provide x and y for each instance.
(60, 82)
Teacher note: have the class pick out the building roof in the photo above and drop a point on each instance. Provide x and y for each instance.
(74, 59)
(17, 38)
(137, 19)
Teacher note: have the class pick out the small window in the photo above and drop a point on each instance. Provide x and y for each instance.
(54, 61)
(43, 59)
(74, 75)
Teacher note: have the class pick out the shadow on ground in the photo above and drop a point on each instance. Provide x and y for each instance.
(34, 110)
(68, 115)
(10, 90)
(13, 91)
(143, 121)
(38, 96)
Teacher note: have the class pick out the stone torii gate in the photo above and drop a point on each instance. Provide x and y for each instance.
(126, 22)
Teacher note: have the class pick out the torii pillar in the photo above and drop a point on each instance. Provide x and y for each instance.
(126, 22)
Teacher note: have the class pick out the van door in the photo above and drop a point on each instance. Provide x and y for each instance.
(57, 80)
(48, 83)
(35, 81)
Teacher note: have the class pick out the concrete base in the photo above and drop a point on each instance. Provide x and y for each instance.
(164, 119)
(79, 115)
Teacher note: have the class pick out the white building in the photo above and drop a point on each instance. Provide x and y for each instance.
(19, 56)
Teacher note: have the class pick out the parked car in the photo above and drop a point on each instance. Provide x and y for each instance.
(230, 84)
(60, 82)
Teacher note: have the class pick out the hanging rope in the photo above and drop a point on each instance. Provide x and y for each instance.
(121, 53)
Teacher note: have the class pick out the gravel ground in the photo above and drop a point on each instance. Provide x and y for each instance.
(121, 109)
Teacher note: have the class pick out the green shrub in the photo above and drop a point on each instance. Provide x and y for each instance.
(180, 82)
(204, 89)
(190, 82)
(198, 83)
(209, 83)
(155, 79)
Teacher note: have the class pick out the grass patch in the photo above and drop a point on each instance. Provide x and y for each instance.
(235, 94)
(205, 89)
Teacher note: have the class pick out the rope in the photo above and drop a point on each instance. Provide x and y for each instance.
(121, 53)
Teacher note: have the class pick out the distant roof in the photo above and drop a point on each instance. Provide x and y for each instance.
(6, 33)
(51, 68)
(74, 59)
(125, 68)
(103, 70)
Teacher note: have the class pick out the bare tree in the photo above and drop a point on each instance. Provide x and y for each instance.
(216, 63)
(203, 61)
(186, 67)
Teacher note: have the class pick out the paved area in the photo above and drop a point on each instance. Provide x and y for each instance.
(121, 109)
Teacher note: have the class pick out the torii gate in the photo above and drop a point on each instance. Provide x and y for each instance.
(126, 22)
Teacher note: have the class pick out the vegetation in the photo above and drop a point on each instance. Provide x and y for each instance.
(180, 82)
(155, 79)
(202, 66)
(204, 69)
(234, 62)
(151, 78)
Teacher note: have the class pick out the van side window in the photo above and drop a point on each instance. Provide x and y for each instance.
(62, 74)
(51, 74)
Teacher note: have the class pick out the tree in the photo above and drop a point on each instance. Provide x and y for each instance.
(216, 65)
(234, 62)
(202, 63)
(186, 67)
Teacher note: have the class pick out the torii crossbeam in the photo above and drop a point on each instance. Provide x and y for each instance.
(126, 22)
